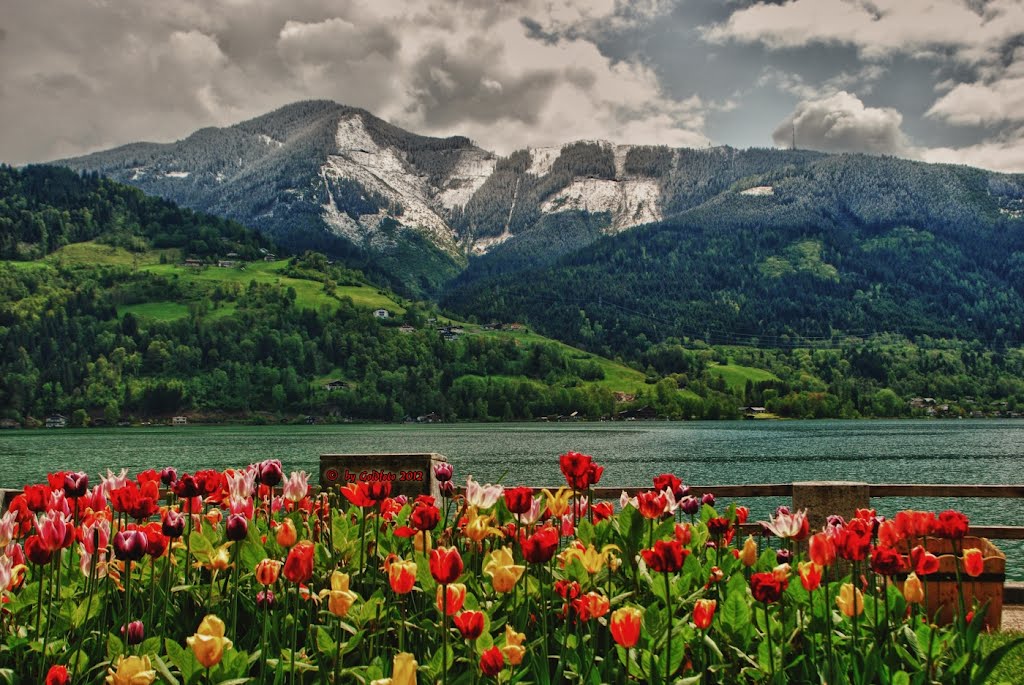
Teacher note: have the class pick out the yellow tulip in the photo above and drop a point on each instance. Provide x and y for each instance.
(913, 591)
(749, 554)
(339, 598)
(209, 643)
(592, 560)
(478, 527)
(850, 600)
(502, 570)
(403, 673)
(557, 502)
(132, 670)
(513, 649)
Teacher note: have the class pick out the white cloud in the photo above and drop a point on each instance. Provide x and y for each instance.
(841, 123)
(1003, 153)
(879, 27)
(996, 99)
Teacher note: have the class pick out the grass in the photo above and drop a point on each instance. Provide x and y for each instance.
(736, 376)
(157, 311)
(1012, 666)
(92, 253)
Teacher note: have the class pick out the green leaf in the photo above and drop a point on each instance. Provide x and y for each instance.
(200, 546)
(114, 647)
(161, 667)
(900, 678)
(325, 642)
(81, 659)
(250, 554)
(983, 670)
(585, 532)
(183, 658)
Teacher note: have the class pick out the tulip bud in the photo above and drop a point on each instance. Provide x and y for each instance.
(783, 556)
(168, 476)
(447, 489)
(133, 633)
(236, 528)
(75, 484)
(708, 499)
(130, 545)
(850, 600)
(748, 556)
(265, 599)
(443, 472)
(58, 675)
(173, 524)
(271, 472)
(690, 505)
(625, 626)
(286, 535)
(913, 591)
(704, 612)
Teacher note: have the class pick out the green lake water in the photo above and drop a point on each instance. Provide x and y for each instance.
(968, 451)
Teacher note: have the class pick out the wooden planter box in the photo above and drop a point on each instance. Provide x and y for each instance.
(988, 587)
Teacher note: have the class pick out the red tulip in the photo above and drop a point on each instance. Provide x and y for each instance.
(915, 523)
(652, 505)
(36, 552)
(540, 547)
(719, 525)
(924, 562)
(470, 624)
(58, 675)
(951, 524)
(55, 533)
(591, 605)
(450, 598)
(568, 589)
(810, 575)
(445, 564)
(602, 511)
(821, 549)
(519, 500)
(187, 487)
(886, 561)
(667, 481)
(853, 541)
(974, 563)
(358, 495)
(425, 516)
(665, 557)
(704, 612)
(378, 490)
(37, 497)
(766, 587)
(157, 540)
(298, 566)
(579, 470)
(491, 662)
(625, 626)
(130, 545)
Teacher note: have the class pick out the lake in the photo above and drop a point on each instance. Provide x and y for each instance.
(711, 453)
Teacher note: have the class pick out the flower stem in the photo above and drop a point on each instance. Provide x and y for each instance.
(771, 648)
(668, 638)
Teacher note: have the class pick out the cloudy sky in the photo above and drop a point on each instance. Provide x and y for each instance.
(938, 80)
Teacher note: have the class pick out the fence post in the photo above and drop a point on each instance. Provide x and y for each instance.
(824, 498)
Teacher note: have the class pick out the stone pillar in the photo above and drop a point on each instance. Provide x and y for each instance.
(409, 474)
(824, 498)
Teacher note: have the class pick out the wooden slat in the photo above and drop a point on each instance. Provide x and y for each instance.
(998, 532)
(945, 490)
(720, 491)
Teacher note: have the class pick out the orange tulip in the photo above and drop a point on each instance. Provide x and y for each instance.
(513, 649)
(913, 591)
(822, 550)
(267, 571)
(456, 598)
(286, 535)
(401, 575)
(974, 563)
(625, 625)
(298, 567)
(810, 575)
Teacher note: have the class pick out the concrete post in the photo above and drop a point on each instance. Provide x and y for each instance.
(824, 498)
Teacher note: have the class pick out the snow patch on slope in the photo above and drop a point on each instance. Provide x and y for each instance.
(759, 191)
(177, 174)
(631, 201)
(381, 170)
(473, 168)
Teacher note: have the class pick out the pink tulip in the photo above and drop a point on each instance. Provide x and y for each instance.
(482, 496)
(95, 535)
(54, 532)
(296, 487)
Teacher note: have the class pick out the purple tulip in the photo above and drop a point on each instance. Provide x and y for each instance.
(443, 472)
(133, 632)
(76, 484)
(708, 499)
(130, 545)
(173, 524)
(690, 505)
(271, 472)
(783, 556)
(236, 528)
(447, 488)
(168, 476)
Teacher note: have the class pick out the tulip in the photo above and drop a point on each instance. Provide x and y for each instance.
(591, 605)
(748, 556)
(265, 599)
(513, 651)
(168, 475)
(270, 472)
(173, 524)
(652, 505)
(886, 561)
(298, 566)
(445, 565)
(913, 591)
(208, 643)
(53, 530)
(974, 563)
(443, 472)
(557, 502)
(236, 528)
(339, 598)
(924, 562)
(58, 675)
(783, 556)
(402, 576)
(519, 500)
(502, 570)
(76, 484)
(470, 624)
(187, 487)
(625, 625)
(130, 545)
(424, 517)
(447, 489)
(708, 499)
(358, 494)
(810, 575)
(788, 526)
(821, 550)
(297, 486)
(915, 523)
(670, 482)
(456, 597)
(286, 535)
(719, 525)
(951, 524)
(267, 571)
(591, 560)
(378, 491)
(478, 527)
(133, 633)
(665, 557)
(403, 671)
(482, 496)
(421, 541)
(704, 612)
(491, 662)
(766, 587)
(853, 541)
(850, 601)
(132, 670)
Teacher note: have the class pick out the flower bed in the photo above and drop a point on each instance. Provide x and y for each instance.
(245, 576)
